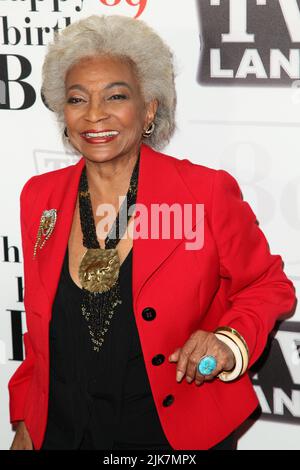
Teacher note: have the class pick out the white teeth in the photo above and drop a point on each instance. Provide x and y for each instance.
(101, 134)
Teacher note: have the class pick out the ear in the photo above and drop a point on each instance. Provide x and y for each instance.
(151, 110)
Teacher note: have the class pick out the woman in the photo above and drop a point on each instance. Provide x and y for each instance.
(135, 341)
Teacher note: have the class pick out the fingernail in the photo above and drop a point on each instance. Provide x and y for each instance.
(171, 358)
(189, 379)
(179, 376)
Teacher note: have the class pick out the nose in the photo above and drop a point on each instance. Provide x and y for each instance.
(96, 111)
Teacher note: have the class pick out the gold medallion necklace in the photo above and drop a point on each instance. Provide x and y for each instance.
(99, 268)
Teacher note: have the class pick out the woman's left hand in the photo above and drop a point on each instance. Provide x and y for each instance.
(201, 343)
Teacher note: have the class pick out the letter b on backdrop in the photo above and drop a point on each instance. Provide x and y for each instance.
(23, 93)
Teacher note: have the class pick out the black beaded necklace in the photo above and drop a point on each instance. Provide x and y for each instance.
(99, 268)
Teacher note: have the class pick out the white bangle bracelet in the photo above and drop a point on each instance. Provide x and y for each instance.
(235, 373)
(237, 339)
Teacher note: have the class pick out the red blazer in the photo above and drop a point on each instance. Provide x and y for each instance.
(232, 280)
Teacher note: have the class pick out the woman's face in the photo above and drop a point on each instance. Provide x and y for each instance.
(105, 113)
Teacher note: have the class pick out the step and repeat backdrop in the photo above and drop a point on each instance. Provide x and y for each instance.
(238, 84)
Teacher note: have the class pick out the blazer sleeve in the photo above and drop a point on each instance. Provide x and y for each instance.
(18, 384)
(259, 292)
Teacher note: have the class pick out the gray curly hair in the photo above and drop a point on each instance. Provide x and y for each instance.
(122, 37)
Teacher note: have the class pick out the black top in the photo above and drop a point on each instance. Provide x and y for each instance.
(98, 400)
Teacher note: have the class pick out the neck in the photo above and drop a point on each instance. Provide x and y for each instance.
(111, 178)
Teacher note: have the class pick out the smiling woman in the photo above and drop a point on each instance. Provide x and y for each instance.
(115, 323)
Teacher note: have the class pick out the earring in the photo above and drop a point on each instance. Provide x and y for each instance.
(148, 132)
(66, 132)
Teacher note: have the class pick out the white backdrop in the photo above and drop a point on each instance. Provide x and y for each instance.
(252, 131)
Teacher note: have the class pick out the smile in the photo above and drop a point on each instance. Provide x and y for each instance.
(100, 134)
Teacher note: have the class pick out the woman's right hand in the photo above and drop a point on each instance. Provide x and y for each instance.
(22, 439)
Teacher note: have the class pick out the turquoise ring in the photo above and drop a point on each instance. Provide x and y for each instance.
(207, 365)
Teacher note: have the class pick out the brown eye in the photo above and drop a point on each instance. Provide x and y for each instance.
(74, 100)
(118, 97)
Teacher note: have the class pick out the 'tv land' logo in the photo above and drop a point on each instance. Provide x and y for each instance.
(277, 375)
(249, 42)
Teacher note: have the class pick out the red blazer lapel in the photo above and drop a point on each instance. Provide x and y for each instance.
(62, 198)
(159, 183)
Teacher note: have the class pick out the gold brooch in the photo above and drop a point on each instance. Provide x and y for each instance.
(46, 227)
